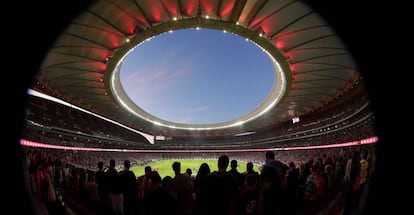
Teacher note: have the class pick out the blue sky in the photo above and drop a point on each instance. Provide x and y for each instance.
(200, 76)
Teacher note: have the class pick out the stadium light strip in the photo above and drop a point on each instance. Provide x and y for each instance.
(370, 140)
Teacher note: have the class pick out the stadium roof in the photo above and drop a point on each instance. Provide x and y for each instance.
(313, 67)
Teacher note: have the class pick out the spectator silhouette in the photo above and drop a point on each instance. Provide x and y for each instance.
(233, 170)
(102, 188)
(115, 189)
(160, 198)
(249, 196)
(49, 195)
(143, 186)
(129, 187)
(271, 179)
(223, 193)
(183, 187)
(199, 188)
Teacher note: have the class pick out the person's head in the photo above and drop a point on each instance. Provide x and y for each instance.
(356, 156)
(176, 166)
(147, 170)
(292, 165)
(364, 154)
(316, 167)
(127, 163)
(46, 167)
(223, 162)
(270, 155)
(189, 171)
(112, 163)
(203, 170)
(233, 164)
(155, 178)
(249, 166)
(250, 181)
(100, 165)
(168, 182)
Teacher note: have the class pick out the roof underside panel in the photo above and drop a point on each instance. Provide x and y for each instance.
(318, 66)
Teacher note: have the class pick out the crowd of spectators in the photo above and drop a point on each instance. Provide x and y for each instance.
(74, 173)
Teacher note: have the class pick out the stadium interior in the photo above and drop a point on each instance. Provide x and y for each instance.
(317, 69)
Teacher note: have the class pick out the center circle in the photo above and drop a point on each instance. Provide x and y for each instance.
(197, 76)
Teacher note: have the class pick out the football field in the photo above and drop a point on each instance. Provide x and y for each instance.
(164, 167)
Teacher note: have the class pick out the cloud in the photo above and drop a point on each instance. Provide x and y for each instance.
(152, 81)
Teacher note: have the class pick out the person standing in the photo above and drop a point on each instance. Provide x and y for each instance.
(223, 195)
(129, 187)
(363, 177)
(102, 187)
(51, 199)
(199, 188)
(143, 187)
(271, 181)
(115, 189)
(249, 196)
(235, 172)
(143, 183)
(183, 187)
(352, 178)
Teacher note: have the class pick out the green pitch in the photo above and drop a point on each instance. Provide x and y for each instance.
(164, 167)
